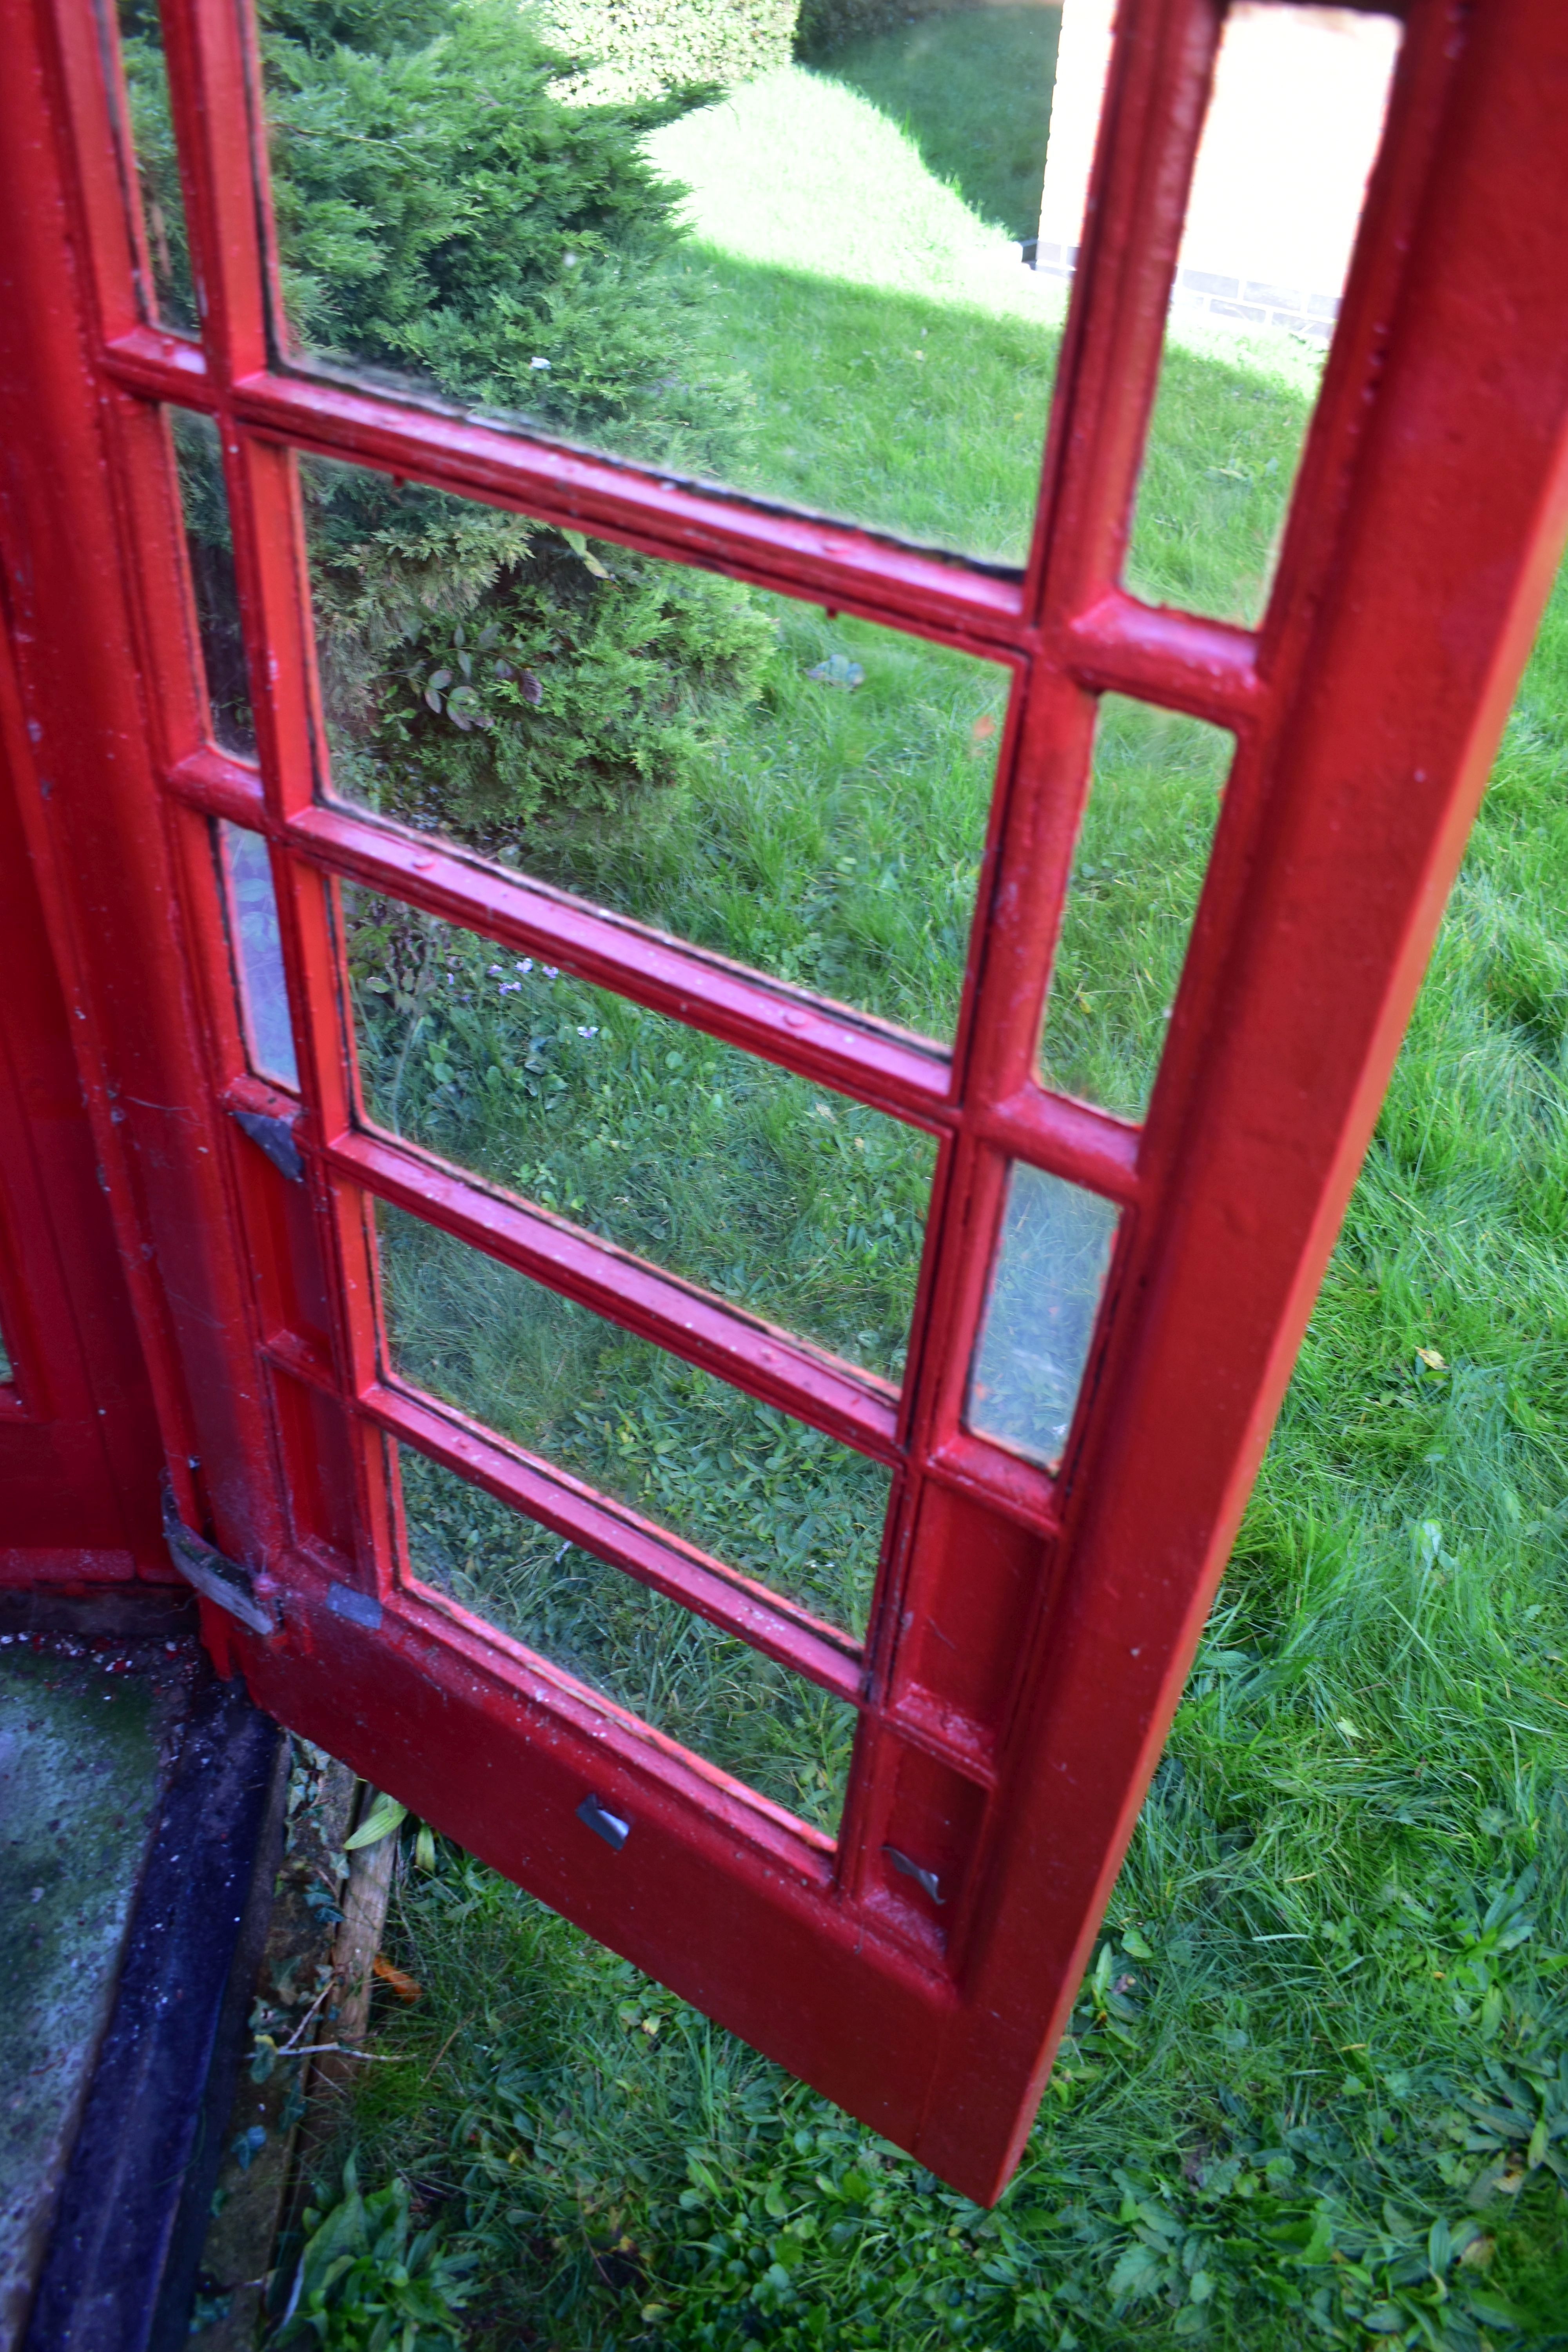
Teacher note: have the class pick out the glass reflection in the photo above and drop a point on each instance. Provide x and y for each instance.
(1046, 1285)
(1142, 851)
(784, 1737)
(806, 795)
(172, 297)
(773, 1499)
(209, 550)
(799, 1205)
(796, 264)
(257, 948)
(1290, 136)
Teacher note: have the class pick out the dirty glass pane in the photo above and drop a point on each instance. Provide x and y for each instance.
(209, 549)
(796, 260)
(1290, 136)
(765, 1493)
(807, 795)
(784, 1737)
(258, 951)
(172, 297)
(1153, 803)
(1050, 1267)
(797, 1205)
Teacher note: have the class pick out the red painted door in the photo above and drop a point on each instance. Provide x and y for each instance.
(1106, 1307)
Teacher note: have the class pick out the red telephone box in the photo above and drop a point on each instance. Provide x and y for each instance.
(1042, 1584)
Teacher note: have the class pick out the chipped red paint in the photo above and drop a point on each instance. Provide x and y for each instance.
(1030, 1635)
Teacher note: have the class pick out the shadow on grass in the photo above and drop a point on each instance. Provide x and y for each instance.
(973, 88)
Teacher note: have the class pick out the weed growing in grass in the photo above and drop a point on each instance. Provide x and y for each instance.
(368, 2279)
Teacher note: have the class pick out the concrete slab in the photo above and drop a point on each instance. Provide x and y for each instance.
(88, 1726)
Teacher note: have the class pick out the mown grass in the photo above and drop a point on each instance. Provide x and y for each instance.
(1316, 2084)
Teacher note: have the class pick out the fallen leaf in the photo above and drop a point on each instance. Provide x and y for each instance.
(406, 1986)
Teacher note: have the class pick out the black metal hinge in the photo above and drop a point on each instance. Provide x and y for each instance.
(228, 1582)
(276, 1137)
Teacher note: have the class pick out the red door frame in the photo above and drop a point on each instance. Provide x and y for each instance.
(1031, 1634)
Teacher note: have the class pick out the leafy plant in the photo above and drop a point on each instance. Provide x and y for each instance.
(368, 2281)
(546, 676)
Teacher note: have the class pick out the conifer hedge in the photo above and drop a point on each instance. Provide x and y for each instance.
(443, 214)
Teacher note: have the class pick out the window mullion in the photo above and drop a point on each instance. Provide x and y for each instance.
(223, 172)
(1162, 65)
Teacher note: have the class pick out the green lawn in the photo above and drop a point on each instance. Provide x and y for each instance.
(1318, 2078)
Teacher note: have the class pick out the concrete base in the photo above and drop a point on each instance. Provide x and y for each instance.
(138, 1804)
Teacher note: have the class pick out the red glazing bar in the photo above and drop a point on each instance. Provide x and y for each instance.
(108, 202)
(1115, 643)
(1020, 1490)
(773, 546)
(221, 785)
(738, 1604)
(1155, 95)
(1176, 659)
(853, 1407)
(1069, 1139)
(209, 92)
(880, 1065)
(160, 365)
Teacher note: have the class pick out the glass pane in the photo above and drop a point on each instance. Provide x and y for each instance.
(1290, 136)
(209, 549)
(799, 1205)
(1153, 803)
(771, 1496)
(1050, 1267)
(812, 285)
(781, 1735)
(172, 297)
(807, 795)
(259, 954)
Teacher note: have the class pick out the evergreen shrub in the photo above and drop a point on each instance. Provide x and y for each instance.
(443, 213)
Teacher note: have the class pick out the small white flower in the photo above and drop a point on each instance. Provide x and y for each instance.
(539, 363)
(585, 1032)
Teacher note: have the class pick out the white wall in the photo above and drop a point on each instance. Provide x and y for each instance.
(1289, 141)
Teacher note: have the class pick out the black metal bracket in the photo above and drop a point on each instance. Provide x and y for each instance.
(226, 1581)
(276, 1137)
